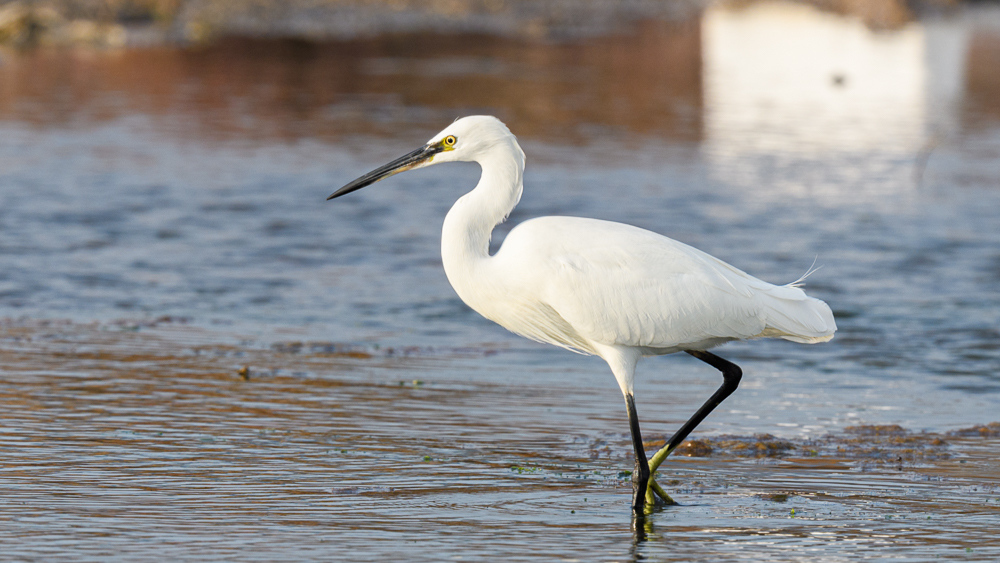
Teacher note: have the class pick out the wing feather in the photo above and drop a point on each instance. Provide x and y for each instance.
(616, 284)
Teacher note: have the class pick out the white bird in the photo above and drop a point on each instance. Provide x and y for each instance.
(598, 287)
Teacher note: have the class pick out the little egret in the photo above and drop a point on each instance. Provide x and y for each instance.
(597, 287)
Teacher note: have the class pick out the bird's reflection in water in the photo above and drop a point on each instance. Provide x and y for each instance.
(642, 528)
(643, 531)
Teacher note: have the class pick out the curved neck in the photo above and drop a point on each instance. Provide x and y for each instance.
(465, 239)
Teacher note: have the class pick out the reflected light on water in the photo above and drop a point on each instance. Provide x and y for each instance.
(813, 87)
(648, 82)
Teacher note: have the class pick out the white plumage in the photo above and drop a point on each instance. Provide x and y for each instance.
(595, 287)
(619, 285)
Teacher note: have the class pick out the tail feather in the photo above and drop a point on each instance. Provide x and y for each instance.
(793, 315)
(813, 268)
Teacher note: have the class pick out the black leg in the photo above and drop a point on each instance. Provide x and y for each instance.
(640, 477)
(731, 375)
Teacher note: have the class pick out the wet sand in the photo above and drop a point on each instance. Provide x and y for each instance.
(163, 440)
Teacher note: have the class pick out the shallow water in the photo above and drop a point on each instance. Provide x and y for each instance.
(170, 204)
(149, 443)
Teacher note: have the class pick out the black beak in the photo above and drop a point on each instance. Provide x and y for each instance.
(401, 164)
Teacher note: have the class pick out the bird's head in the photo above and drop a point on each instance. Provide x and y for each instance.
(467, 139)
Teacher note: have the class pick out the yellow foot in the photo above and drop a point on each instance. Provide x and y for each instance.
(656, 496)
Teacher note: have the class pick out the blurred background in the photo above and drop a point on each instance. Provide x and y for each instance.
(164, 166)
(168, 157)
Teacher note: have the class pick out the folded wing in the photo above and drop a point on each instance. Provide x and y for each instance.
(615, 284)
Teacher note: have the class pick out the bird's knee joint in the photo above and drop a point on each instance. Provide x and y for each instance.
(733, 375)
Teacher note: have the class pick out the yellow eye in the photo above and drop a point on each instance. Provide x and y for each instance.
(450, 141)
